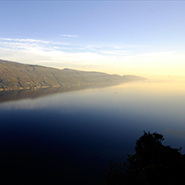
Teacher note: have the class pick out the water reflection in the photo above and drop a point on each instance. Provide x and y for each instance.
(76, 133)
(31, 94)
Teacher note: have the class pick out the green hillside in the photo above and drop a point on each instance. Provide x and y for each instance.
(16, 76)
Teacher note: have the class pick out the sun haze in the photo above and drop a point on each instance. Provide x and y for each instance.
(143, 38)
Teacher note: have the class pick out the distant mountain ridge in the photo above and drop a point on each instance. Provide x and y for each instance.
(17, 76)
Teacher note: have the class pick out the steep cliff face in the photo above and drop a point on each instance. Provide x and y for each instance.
(14, 75)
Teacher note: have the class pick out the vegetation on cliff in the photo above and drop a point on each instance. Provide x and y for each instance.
(153, 163)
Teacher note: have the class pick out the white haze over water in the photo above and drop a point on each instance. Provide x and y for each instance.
(89, 127)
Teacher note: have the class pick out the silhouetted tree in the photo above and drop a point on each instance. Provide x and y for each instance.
(152, 163)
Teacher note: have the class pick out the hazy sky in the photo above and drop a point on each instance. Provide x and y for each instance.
(123, 37)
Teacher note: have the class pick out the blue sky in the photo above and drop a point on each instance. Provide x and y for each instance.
(123, 37)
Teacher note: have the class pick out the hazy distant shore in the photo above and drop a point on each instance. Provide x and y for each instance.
(16, 76)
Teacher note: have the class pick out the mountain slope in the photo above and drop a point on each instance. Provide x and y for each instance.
(14, 76)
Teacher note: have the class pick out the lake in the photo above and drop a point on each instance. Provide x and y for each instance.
(68, 137)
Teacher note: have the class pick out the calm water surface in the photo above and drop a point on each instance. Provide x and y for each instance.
(69, 137)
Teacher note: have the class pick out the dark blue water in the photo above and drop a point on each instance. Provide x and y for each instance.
(69, 138)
